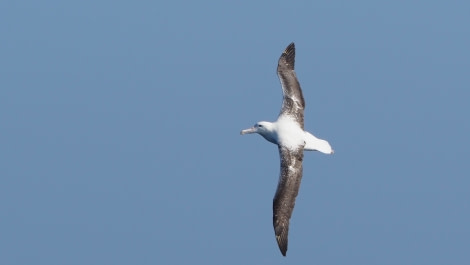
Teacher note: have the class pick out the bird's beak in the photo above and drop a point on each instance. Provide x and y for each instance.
(249, 130)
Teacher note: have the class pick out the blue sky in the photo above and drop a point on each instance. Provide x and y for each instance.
(120, 120)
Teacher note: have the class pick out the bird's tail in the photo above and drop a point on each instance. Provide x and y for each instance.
(312, 143)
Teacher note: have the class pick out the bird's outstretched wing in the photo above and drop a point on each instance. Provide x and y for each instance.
(293, 103)
(287, 190)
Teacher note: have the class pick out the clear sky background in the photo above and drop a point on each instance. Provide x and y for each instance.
(120, 121)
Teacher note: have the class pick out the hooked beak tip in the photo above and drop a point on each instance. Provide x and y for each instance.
(250, 130)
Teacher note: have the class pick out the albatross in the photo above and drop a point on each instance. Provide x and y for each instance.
(289, 135)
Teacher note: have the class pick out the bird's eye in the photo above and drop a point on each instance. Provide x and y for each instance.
(259, 125)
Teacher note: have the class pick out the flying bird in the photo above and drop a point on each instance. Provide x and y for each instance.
(289, 135)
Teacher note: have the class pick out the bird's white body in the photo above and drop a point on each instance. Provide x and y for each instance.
(287, 132)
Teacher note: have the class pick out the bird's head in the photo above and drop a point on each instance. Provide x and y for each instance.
(263, 128)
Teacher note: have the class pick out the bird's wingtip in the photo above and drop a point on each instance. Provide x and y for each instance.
(282, 245)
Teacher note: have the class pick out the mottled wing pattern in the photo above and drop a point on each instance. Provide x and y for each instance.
(293, 103)
(287, 190)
